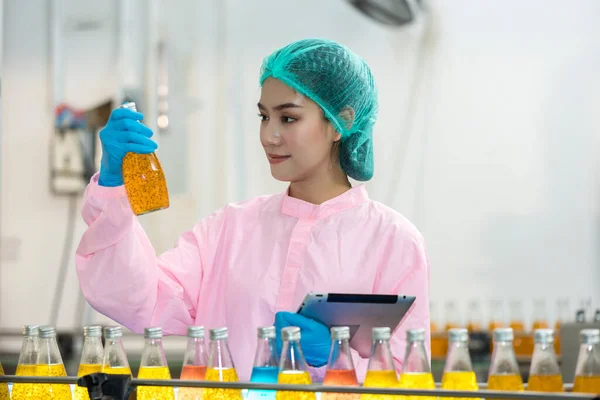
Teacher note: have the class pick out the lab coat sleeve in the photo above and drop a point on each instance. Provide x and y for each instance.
(120, 274)
(406, 272)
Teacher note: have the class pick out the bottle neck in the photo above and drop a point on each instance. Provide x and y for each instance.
(219, 356)
(292, 357)
(543, 361)
(416, 359)
(153, 354)
(265, 353)
(29, 350)
(458, 358)
(588, 361)
(92, 352)
(195, 353)
(503, 359)
(114, 354)
(48, 352)
(381, 357)
(340, 357)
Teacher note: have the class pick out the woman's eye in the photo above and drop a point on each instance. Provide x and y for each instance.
(288, 120)
(263, 117)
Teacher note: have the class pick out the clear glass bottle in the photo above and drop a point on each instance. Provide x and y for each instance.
(475, 317)
(27, 362)
(504, 371)
(587, 372)
(439, 341)
(340, 367)
(115, 358)
(517, 323)
(144, 180)
(50, 363)
(92, 355)
(497, 319)
(544, 373)
(220, 367)
(564, 316)
(458, 370)
(266, 364)
(416, 371)
(292, 366)
(154, 366)
(381, 371)
(194, 363)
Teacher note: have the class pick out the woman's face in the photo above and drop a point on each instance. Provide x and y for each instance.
(296, 137)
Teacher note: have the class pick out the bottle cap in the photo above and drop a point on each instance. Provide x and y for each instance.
(31, 330)
(415, 335)
(381, 333)
(113, 332)
(340, 333)
(218, 334)
(290, 333)
(130, 105)
(504, 335)
(195, 332)
(266, 332)
(92, 331)
(590, 336)
(153, 333)
(458, 335)
(47, 332)
(543, 336)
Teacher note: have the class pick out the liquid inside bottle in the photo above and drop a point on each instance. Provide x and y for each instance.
(220, 367)
(50, 363)
(381, 371)
(92, 355)
(340, 367)
(194, 363)
(475, 317)
(154, 366)
(292, 366)
(587, 372)
(416, 371)
(504, 371)
(144, 180)
(439, 343)
(27, 362)
(458, 370)
(266, 364)
(544, 373)
(115, 358)
(4, 395)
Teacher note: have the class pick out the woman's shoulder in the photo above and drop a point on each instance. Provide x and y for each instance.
(392, 220)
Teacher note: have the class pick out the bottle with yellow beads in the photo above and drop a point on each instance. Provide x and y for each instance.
(381, 371)
(115, 358)
(91, 357)
(458, 370)
(4, 395)
(416, 371)
(504, 371)
(544, 373)
(27, 362)
(154, 366)
(144, 180)
(50, 363)
(293, 369)
(587, 371)
(220, 367)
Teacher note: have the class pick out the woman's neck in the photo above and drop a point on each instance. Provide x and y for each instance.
(321, 188)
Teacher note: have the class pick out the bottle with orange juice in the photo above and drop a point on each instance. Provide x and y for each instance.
(587, 371)
(517, 323)
(564, 316)
(504, 371)
(458, 370)
(544, 373)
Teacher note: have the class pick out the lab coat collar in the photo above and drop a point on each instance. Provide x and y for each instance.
(304, 210)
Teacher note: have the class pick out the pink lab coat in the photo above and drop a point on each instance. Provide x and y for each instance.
(242, 264)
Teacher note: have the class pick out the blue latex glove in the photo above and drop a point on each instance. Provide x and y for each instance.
(315, 339)
(121, 135)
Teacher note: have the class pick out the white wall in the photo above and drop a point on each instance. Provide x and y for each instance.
(500, 172)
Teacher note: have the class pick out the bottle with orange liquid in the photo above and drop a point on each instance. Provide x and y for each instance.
(115, 358)
(458, 370)
(194, 363)
(439, 342)
(220, 367)
(292, 366)
(340, 367)
(416, 371)
(91, 357)
(154, 366)
(504, 371)
(50, 363)
(496, 319)
(564, 316)
(381, 371)
(452, 321)
(266, 364)
(544, 373)
(517, 323)
(475, 317)
(27, 362)
(587, 372)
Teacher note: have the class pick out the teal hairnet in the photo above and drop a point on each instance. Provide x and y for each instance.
(341, 83)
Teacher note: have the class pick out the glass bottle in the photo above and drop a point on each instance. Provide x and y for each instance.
(517, 323)
(194, 363)
(416, 371)
(439, 341)
(504, 371)
(340, 367)
(475, 317)
(381, 371)
(292, 366)
(458, 370)
(154, 366)
(50, 363)
(115, 358)
(4, 394)
(27, 362)
(544, 373)
(587, 372)
(496, 319)
(144, 180)
(220, 367)
(564, 316)
(266, 365)
(91, 357)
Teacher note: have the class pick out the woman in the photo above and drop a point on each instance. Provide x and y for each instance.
(251, 264)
